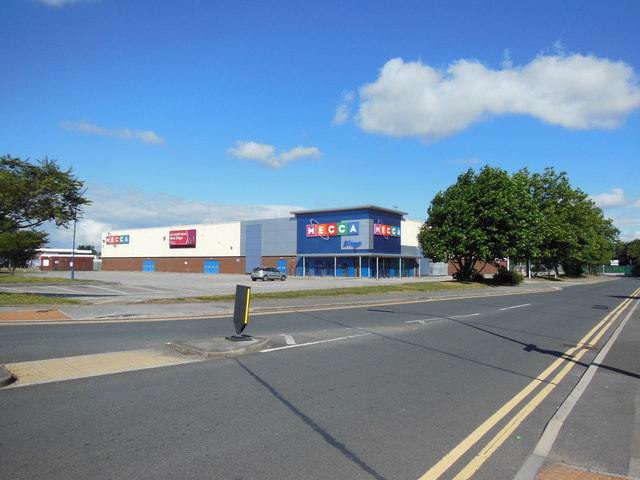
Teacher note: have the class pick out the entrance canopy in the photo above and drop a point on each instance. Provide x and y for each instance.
(367, 265)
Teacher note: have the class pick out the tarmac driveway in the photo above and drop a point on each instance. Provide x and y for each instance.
(128, 287)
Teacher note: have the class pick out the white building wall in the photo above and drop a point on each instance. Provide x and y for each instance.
(409, 233)
(212, 240)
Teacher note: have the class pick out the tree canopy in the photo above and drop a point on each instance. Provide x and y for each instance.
(628, 253)
(574, 231)
(633, 251)
(32, 194)
(18, 247)
(483, 217)
(488, 216)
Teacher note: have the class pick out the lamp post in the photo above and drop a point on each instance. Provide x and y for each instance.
(73, 249)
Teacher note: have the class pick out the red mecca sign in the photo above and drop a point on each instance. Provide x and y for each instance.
(117, 239)
(386, 230)
(182, 238)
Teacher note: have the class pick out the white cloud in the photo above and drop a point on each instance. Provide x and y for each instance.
(629, 226)
(116, 208)
(145, 136)
(343, 112)
(266, 154)
(626, 212)
(60, 3)
(630, 235)
(417, 100)
(615, 198)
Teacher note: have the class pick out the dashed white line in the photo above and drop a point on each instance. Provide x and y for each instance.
(516, 306)
(425, 321)
(313, 343)
(64, 289)
(110, 290)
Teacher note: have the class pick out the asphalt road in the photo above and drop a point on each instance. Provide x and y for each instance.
(391, 392)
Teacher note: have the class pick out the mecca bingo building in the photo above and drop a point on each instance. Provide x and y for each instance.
(366, 241)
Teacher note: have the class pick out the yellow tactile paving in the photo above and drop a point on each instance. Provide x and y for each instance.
(58, 369)
(560, 472)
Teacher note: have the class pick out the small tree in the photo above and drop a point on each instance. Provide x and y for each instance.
(17, 248)
(632, 250)
(33, 194)
(88, 247)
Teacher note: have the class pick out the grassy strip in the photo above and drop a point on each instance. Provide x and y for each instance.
(22, 277)
(333, 292)
(21, 299)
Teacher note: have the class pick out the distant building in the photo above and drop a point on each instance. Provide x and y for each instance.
(365, 241)
(61, 259)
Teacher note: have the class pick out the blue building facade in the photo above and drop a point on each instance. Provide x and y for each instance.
(353, 242)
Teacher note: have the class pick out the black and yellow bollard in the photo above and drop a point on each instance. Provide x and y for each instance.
(241, 313)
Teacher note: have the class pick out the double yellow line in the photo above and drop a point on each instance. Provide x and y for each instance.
(563, 364)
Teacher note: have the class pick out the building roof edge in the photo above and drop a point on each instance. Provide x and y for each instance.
(342, 209)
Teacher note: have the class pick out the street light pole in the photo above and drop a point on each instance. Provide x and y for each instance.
(73, 250)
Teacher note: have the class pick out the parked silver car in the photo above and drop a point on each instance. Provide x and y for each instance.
(267, 273)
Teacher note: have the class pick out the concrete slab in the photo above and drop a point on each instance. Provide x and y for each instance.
(219, 347)
(6, 377)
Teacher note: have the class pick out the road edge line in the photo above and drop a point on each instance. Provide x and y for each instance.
(550, 434)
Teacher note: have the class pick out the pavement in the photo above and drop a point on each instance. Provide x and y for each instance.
(585, 440)
(595, 434)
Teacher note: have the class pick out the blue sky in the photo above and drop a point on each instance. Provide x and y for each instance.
(201, 111)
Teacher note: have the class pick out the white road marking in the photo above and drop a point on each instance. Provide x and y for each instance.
(424, 322)
(110, 290)
(289, 339)
(64, 289)
(313, 343)
(516, 306)
(9, 289)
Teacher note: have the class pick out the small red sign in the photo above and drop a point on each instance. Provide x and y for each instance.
(182, 238)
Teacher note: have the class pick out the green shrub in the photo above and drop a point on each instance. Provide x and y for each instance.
(477, 277)
(635, 271)
(507, 277)
(573, 269)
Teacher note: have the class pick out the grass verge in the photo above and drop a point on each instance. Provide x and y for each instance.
(22, 277)
(21, 299)
(334, 292)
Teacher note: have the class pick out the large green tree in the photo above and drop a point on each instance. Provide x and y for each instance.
(32, 194)
(490, 215)
(18, 247)
(628, 252)
(574, 231)
(482, 218)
